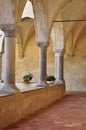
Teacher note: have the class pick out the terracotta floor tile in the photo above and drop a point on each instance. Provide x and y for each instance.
(66, 114)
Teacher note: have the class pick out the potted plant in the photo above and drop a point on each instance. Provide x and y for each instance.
(27, 77)
(51, 79)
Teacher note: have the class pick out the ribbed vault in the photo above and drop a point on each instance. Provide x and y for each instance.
(67, 9)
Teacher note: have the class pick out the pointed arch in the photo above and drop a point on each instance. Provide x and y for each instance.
(57, 35)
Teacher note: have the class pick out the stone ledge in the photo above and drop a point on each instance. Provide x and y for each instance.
(15, 107)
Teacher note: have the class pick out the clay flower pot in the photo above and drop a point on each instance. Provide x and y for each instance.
(50, 82)
(51, 79)
(26, 81)
(27, 77)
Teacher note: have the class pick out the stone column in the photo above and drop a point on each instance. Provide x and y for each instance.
(59, 67)
(9, 66)
(41, 30)
(42, 65)
(1, 68)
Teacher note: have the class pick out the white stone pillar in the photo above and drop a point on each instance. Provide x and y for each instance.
(1, 68)
(9, 66)
(41, 30)
(59, 67)
(42, 65)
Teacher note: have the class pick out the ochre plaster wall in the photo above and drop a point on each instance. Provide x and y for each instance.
(75, 73)
(10, 106)
(74, 67)
(30, 62)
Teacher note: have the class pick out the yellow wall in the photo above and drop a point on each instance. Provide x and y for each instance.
(74, 66)
(30, 101)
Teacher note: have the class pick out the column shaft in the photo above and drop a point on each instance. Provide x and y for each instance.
(9, 65)
(9, 77)
(59, 67)
(0, 68)
(42, 62)
(42, 66)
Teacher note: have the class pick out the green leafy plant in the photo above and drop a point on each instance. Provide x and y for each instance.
(51, 78)
(28, 76)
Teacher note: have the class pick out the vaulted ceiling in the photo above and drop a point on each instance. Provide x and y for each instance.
(71, 12)
(68, 10)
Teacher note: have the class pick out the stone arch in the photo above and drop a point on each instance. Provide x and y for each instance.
(18, 8)
(57, 35)
(77, 36)
(56, 11)
(71, 29)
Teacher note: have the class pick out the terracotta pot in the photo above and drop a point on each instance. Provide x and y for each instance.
(26, 81)
(50, 82)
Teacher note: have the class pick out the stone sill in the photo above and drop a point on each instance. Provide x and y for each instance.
(23, 87)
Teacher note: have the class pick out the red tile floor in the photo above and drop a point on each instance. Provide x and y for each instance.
(66, 114)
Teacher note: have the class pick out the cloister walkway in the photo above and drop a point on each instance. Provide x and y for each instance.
(66, 114)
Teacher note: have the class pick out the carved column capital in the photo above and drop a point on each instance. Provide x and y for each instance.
(43, 44)
(9, 32)
(60, 52)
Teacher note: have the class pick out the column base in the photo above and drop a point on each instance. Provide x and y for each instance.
(9, 89)
(60, 82)
(42, 84)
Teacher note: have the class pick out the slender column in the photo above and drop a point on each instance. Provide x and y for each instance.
(9, 70)
(59, 67)
(41, 29)
(42, 66)
(1, 68)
